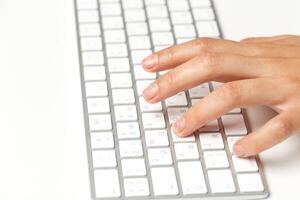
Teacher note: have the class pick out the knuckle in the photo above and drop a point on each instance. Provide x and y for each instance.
(230, 92)
(209, 59)
(170, 78)
(170, 53)
(204, 44)
(284, 127)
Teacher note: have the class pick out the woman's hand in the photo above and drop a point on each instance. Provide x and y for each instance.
(256, 71)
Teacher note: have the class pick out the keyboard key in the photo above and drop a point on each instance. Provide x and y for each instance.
(94, 73)
(114, 36)
(107, 183)
(141, 74)
(232, 140)
(207, 29)
(96, 89)
(123, 96)
(153, 120)
(134, 15)
(186, 151)
(141, 85)
(156, 138)
(181, 18)
(183, 40)
(234, 125)
(210, 126)
(120, 80)
(190, 138)
(154, 2)
(118, 65)
(116, 50)
(177, 100)
(160, 156)
(102, 140)
(203, 14)
(87, 30)
(128, 130)
(160, 24)
(166, 185)
(215, 159)
(139, 42)
(100, 122)
(137, 28)
(244, 164)
(200, 3)
(133, 167)
(130, 148)
(235, 111)
(125, 113)
(136, 187)
(199, 91)
(92, 4)
(88, 16)
(159, 11)
(104, 158)
(110, 9)
(178, 5)
(98, 105)
(147, 107)
(175, 113)
(139, 55)
(211, 141)
(92, 58)
(127, 4)
(192, 178)
(114, 22)
(184, 31)
(91, 43)
(250, 182)
(162, 38)
(221, 181)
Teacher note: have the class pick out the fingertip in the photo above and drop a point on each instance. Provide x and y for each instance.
(239, 150)
(149, 62)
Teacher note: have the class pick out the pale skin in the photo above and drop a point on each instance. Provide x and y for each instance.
(256, 71)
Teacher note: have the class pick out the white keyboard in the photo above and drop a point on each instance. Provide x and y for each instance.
(132, 152)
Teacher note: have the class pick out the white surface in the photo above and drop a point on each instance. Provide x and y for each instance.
(42, 145)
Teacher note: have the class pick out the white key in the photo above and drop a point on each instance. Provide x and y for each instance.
(120, 80)
(104, 158)
(250, 182)
(156, 138)
(158, 48)
(91, 4)
(157, 11)
(92, 58)
(216, 84)
(210, 126)
(175, 113)
(137, 28)
(160, 24)
(166, 185)
(88, 16)
(153, 120)
(98, 105)
(94, 73)
(147, 107)
(178, 5)
(141, 74)
(133, 167)
(161, 156)
(178, 99)
(203, 14)
(190, 138)
(234, 125)
(232, 140)
(186, 151)
(136, 187)
(107, 183)
(132, 4)
(199, 91)
(154, 2)
(244, 164)
(139, 42)
(192, 178)
(221, 181)
(128, 130)
(116, 50)
(118, 65)
(101, 140)
(200, 3)
(114, 22)
(183, 31)
(91, 43)
(130, 148)
(207, 29)
(100, 122)
(109, 1)
(183, 40)
(123, 96)
(162, 38)
(114, 36)
(87, 30)
(215, 159)
(96, 89)
(139, 55)
(134, 15)
(141, 85)
(111, 9)
(211, 141)
(235, 110)
(181, 18)
(125, 113)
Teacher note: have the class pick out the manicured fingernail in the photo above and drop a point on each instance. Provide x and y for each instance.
(150, 61)
(179, 125)
(238, 150)
(150, 91)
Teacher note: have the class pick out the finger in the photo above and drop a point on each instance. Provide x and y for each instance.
(242, 93)
(272, 133)
(278, 40)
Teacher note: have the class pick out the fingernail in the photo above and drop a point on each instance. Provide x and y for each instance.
(238, 150)
(150, 61)
(179, 125)
(150, 91)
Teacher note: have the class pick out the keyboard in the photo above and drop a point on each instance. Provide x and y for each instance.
(132, 151)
